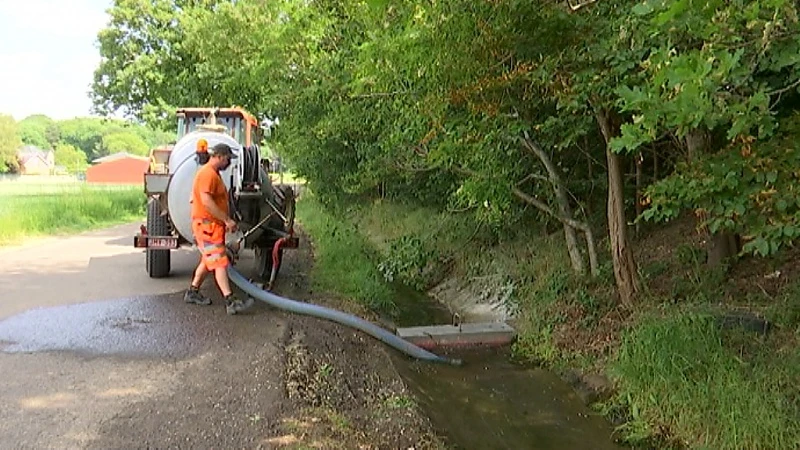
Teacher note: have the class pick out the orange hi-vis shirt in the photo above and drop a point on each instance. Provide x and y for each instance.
(208, 180)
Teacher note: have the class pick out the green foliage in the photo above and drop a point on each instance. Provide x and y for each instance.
(98, 137)
(752, 192)
(39, 130)
(707, 66)
(142, 35)
(9, 143)
(123, 141)
(92, 136)
(71, 158)
(85, 134)
(344, 261)
(679, 375)
(407, 260)
(415, 243)
(367, 106)
(718, 68)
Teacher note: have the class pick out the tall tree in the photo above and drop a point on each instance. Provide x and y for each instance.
(73, 160)
(10, 143)
(39, 130)
(713, 76)
(123, 141)
(584, 82)
(146, 68)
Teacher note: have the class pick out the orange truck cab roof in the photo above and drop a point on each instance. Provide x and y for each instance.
(242, 126)
(232, 111)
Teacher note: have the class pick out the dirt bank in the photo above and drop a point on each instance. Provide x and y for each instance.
(340, 386)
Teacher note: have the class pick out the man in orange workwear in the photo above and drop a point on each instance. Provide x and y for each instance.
(210, 221)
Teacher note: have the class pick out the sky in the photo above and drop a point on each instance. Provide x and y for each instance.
(48, 54)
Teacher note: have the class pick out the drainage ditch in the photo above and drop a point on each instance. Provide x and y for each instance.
(490, 401)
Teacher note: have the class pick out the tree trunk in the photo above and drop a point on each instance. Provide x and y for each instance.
(565, 220)
(589, 210)
(562, 200)
(721, 246)
(696, 143)
(655, 164)
(574, 250)
(593, 264)
(624, 264)
(625, 270)
(639, 161)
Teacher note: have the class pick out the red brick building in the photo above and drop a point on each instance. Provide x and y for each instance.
(119, 168)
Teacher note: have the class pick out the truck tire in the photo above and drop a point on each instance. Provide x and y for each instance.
(264, 262)
(157, 261)
(286, 204)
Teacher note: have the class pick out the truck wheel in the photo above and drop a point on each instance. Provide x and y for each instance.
(264, 261)
(157, 261)
(287, 204)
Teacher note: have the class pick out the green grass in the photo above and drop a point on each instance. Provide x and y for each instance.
(709, 388)
(287, 178)
(387, 222)
(344, 260)
(28, 210)
(414, 242)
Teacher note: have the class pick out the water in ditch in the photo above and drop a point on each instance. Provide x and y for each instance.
(491, 402)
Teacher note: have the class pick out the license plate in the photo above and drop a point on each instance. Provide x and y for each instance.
(160, 242)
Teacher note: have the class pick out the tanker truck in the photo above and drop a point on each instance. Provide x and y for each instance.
(265, 212)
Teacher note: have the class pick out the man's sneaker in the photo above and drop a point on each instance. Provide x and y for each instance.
(233, 305)
(193, 296)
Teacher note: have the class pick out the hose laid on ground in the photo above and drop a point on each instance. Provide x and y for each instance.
(336, 316)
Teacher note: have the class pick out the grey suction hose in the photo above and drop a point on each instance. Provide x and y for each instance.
(338, 317)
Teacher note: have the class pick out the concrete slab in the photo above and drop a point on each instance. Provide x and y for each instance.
(464, 335)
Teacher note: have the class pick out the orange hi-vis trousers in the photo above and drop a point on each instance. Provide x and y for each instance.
(210, 238)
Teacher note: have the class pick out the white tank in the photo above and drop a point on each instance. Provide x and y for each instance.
(183, 166)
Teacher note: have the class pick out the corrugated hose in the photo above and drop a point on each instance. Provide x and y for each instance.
(342, 318)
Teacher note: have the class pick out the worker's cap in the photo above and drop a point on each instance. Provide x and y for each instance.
(202, 146)
(222, 149)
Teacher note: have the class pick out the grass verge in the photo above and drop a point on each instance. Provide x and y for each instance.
(707, 387)
(344, 261)
(679, 380)
(75, 208)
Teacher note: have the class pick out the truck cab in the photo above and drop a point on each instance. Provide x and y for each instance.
(241, 125)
